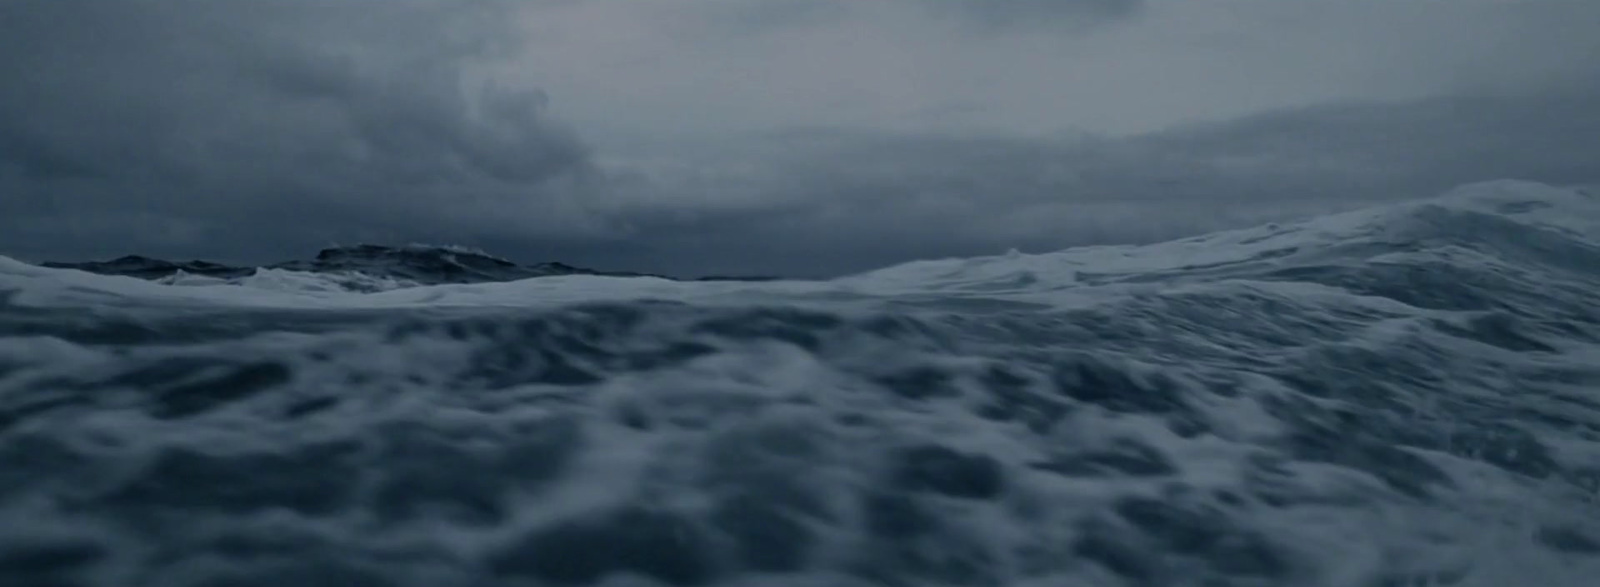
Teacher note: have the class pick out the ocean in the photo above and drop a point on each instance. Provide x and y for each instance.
(1399, 396)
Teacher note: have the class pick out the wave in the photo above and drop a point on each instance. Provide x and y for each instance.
(356, 269)
(1405, 395)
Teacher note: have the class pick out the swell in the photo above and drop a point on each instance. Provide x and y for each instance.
(235, 425)
(1414, 401)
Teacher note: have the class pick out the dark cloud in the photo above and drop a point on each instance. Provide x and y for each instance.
(263, 129)
(1078, 14)
(768, 15)
(828, 202)
(268, 124)
(741, 18)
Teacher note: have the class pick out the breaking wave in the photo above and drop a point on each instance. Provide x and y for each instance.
(1407, 395)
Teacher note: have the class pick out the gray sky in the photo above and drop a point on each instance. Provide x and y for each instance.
(801, 137)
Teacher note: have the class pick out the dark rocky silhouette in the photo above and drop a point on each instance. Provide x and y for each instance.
(425, 265)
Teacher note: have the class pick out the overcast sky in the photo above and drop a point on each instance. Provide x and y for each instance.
(797, 137)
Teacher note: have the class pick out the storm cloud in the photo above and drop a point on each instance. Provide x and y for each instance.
(801, 137)
(832, 201)
(1077, 14)
(186, 125)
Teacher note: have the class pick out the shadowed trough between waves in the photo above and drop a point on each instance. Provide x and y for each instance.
(1408, 395)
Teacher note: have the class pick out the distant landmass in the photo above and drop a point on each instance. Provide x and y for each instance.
(427, 265)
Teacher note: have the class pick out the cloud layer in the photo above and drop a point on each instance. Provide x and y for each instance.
(183, 125)
(806, 137)
(1077, 14)
(837, 201)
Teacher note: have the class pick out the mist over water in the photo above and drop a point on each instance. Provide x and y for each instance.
(1401, 396)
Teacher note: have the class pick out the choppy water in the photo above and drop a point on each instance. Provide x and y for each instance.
(1401, 396)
